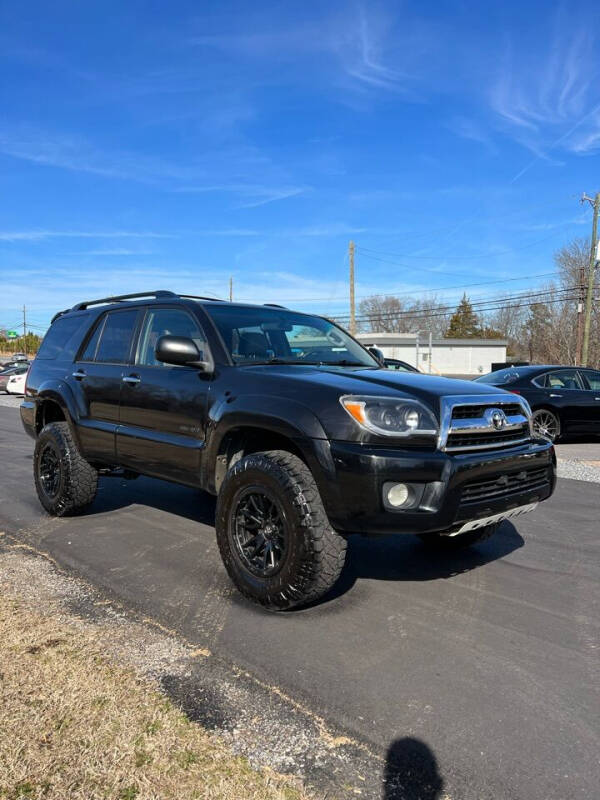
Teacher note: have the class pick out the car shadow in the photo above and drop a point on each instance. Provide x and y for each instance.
(395, 557)
(411, 772)
(400, 557)
(117, 493)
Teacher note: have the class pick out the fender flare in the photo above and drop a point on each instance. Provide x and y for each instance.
(280, 415)
(60, 393)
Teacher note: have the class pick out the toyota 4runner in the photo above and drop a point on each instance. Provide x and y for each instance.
(300, 432)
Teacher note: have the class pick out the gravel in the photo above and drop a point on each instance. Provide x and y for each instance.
(11, 400)
(578, 471)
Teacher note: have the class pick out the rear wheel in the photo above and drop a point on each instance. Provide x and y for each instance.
(442, 541)
(273, 534)
(546, 424)
(64, 481)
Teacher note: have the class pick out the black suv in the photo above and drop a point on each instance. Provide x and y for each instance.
(299, 430)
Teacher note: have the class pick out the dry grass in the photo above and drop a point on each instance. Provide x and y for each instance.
(74, 726)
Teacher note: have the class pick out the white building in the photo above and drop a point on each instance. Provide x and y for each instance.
(447, 357)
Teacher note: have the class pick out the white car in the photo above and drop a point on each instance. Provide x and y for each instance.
(16, 383)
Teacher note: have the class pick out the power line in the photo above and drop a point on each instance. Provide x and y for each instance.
(480, 305)
(425, 315)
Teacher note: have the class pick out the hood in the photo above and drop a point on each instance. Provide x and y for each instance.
(345, 380)
(318, 389)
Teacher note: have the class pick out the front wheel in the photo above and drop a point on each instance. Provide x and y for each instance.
(442, 541)
(546, 424)
(273, 533)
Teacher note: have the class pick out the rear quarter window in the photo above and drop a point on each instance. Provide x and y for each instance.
(63, 337)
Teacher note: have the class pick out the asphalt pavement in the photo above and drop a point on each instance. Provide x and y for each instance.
(487, 662)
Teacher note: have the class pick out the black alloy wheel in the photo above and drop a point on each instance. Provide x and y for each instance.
(50, 470)
(258, 532)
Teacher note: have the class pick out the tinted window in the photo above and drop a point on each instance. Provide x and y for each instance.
(500, 377)
(164, 322)
(563, 379)
(63, 336)
(260, 335)
(89, 352)
(593, 379)
(115, 341)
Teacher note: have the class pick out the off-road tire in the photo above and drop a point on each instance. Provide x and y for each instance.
(315, 552)
(77, 480)
(460, 541)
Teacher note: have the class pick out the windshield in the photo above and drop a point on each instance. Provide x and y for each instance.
(259, 335)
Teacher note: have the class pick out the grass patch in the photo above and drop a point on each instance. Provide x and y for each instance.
(74, 725)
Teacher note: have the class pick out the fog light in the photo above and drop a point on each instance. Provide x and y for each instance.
(398, 495)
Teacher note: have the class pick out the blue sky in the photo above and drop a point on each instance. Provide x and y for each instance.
(154, 145)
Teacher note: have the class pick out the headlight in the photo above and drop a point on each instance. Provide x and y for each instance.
(388, 416)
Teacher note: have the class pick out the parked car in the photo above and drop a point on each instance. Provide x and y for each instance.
(9, 372)
(564, 400)
(402, 366)
(12, 363)
(298, 429)
(19, 357)
(16, 383)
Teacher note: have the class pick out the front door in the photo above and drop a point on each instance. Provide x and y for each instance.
(96, 380)
(163, 407)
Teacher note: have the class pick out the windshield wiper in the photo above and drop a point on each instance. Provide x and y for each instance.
(345, 363)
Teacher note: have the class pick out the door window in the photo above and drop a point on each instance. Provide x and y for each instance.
(89, 351)
(167, 322)
(116, 336)
(593, 379)
(563, 379)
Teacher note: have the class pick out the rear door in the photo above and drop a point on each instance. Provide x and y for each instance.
(564, 389)
(591, 380)
(96, 380)
(163, 407)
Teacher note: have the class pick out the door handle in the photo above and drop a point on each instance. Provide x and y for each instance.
(596, 398)
(79, 374)
(555, 395)
(132, 379)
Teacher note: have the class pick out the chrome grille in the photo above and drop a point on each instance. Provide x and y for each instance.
(505, 485)
(483, 422)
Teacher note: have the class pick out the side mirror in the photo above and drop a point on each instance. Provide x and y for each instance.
(376, 352)
(181, 351)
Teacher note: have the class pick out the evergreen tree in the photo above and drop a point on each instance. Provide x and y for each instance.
(464, 323)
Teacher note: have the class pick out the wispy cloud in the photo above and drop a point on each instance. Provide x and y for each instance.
(38, 235)
(252, 195)
(550, 101)
(78, 155)
(363, 48)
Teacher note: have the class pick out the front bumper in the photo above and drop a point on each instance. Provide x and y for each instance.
(353, 494)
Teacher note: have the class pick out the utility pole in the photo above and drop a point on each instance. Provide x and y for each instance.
(24, 330)
(352, 303)
(595, 203)
(231, 289)
(580, 301)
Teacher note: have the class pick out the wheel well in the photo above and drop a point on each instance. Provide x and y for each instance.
(49, 412)
(242, 441)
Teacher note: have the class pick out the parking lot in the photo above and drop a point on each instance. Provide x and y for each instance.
(487, 659)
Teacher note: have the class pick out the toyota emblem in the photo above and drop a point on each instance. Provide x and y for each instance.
(495, 418)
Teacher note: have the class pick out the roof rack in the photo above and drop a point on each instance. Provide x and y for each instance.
(120, 297)
(200, 297)
(275, 305)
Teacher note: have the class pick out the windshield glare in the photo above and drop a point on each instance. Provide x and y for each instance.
(259, 335)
